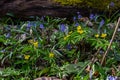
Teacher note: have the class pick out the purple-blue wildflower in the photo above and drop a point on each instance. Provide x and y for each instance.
(62, 27)
(69, 47)
(111, 78)
(102, 22)
(42, 18)
(41, 26)
(79, 16)
(76, 24)
(8, 35)
(92, 16)
(111, 4)
(74, 18)
(28, 25)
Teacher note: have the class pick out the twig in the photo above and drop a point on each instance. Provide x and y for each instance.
(94, 57)
(89, 67)
(110, 42)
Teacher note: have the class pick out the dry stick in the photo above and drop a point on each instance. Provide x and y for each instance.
(93, 60)
(110, 42)
(94, 57)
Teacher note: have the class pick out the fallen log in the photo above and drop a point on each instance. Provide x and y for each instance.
(25, 8)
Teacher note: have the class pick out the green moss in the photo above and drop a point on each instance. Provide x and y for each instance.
(99, 4)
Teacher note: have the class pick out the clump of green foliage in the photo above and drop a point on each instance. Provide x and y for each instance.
(57, 47)
(99, 4)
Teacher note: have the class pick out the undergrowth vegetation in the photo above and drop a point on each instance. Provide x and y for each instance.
(71, 50)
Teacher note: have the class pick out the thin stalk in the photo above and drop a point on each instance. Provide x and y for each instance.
(110, 42)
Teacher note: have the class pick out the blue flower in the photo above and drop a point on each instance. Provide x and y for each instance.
(42, 18)
(79, 16)
(62, 27)
(8, 35)
(76, 24)
(112, 4)
(41, 26)
(111, 78)
(28, 25)
(74, 18)
(69, 47)
(92, 16)
(102, 22)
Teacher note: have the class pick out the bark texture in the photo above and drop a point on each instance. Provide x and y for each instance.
(25, 8)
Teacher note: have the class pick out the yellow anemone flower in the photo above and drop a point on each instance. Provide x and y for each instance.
(35, 44)
(51, 55)
(80, 31)
(79, 28)
(103, 35)
(97, 35)
(26, 57)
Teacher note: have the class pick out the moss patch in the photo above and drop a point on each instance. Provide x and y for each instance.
(99, 4)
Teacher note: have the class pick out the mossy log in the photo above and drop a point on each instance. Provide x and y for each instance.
(26, 8)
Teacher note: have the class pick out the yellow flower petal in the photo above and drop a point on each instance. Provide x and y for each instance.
(97, 35)
(51, 55)
(35, 44)
(80, 31)
(103, 35)
(79, 28)
(65, 38)
(26, 57)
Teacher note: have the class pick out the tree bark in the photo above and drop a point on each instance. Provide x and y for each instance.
(26, 8)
